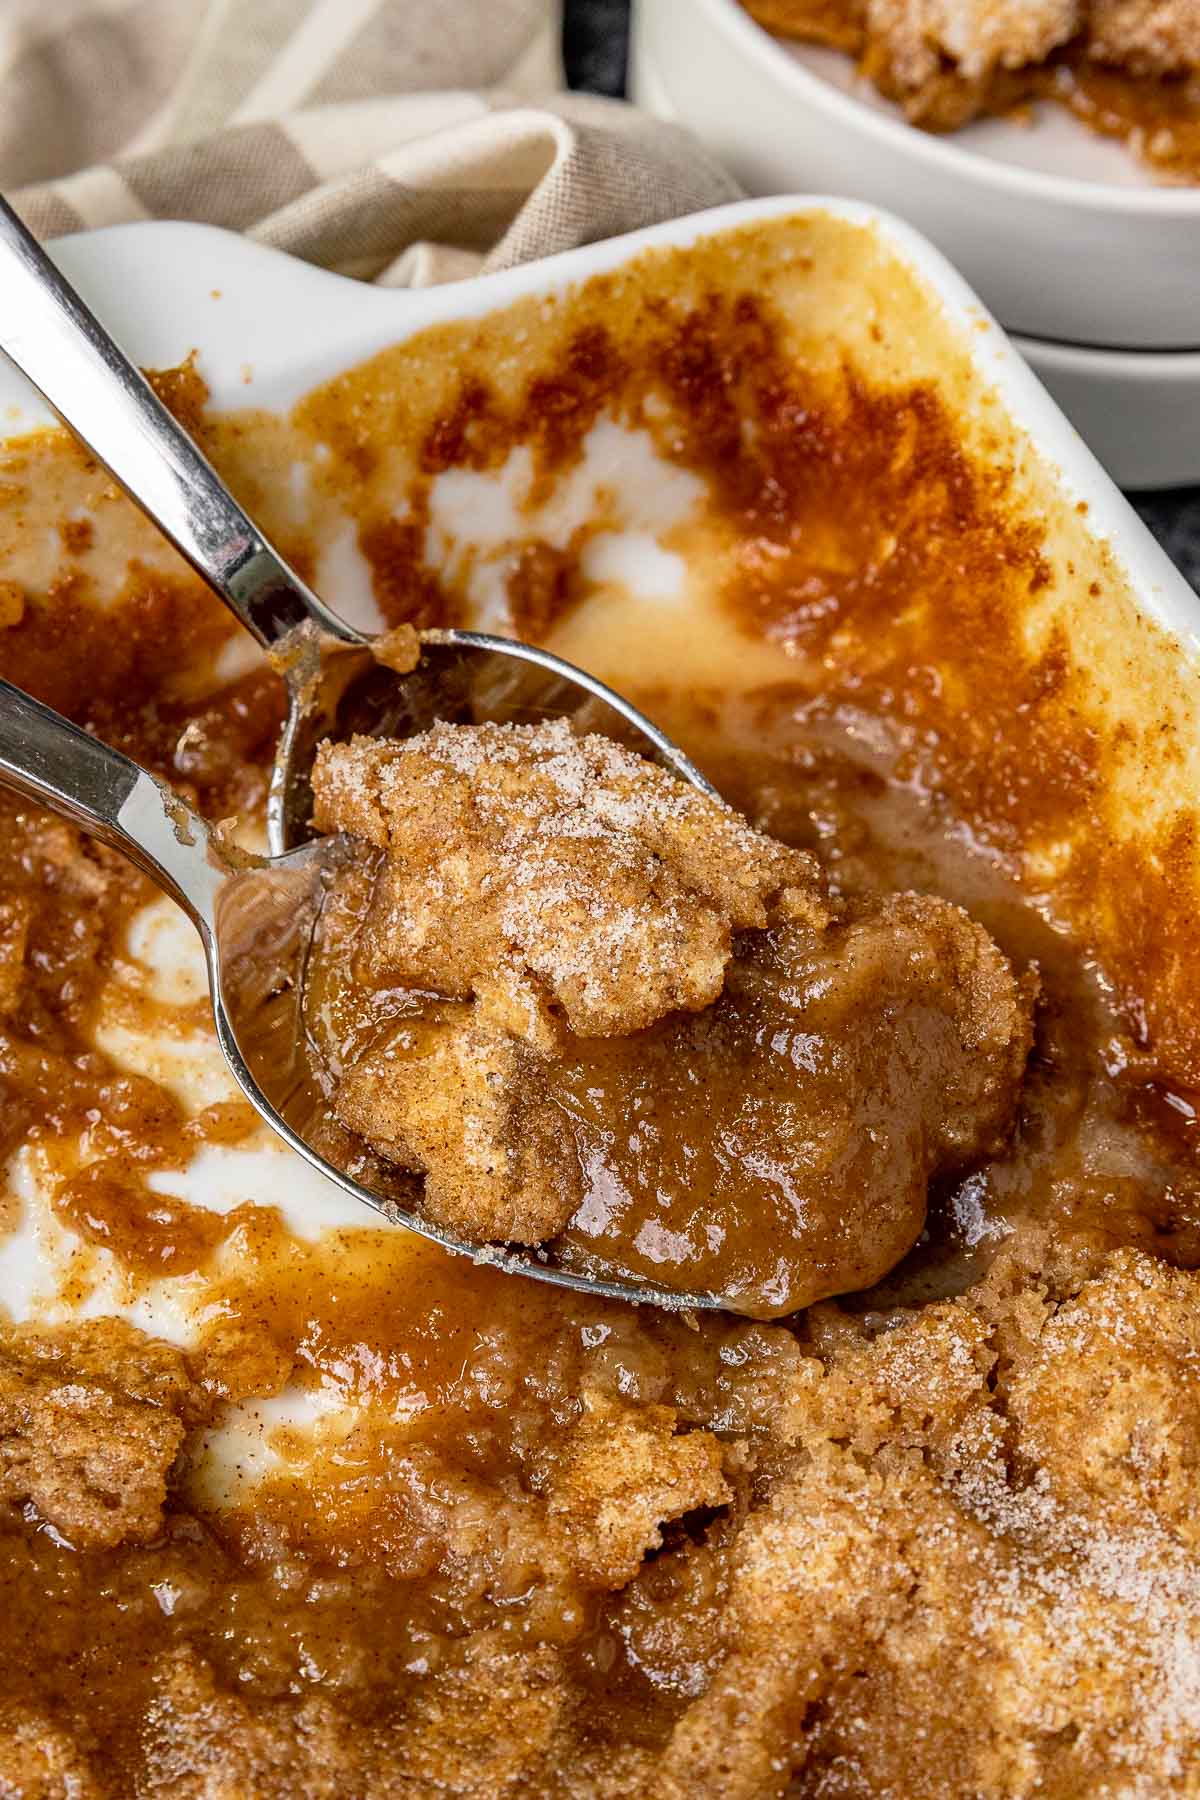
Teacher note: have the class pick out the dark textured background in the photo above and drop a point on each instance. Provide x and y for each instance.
(594, 41)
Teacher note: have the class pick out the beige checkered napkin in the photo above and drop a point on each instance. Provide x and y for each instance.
(402, 141)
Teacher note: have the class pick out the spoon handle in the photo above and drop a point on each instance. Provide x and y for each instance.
(52, 761)
(57, 342)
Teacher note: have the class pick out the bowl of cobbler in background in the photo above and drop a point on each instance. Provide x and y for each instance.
(294, 1503)
(1050, 148)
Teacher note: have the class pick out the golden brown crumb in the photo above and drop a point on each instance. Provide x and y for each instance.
(624, 1473)
(466, 1105)
(920, 37)
(39, 1760)
(949, 61)
(1148, 37)
(398, 649)
(1023, 1536)
(1124, 1355)
(487, 1725)
(12, 604)
(233, 1360)
(757, 1117)
(110, 1352)
(563, 862)
(88, 1433)
(540, 880)
(205, 1743)
(811, 1576)
(478, 1728)
(16, 913)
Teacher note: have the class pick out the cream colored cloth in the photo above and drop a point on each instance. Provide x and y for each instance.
(401, 141)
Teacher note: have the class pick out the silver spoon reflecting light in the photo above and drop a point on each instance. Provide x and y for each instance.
(335, 687)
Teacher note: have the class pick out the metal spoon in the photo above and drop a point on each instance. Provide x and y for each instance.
(335, 685)
(255, 924)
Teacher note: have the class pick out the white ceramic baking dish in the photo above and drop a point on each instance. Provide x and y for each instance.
(266, 330)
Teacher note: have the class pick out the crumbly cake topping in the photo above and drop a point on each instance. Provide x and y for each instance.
(1149, 37)
(89, 1429)
(950, 1549)
(976, 35)
(610, 884)
(918, 37)
(539, 883)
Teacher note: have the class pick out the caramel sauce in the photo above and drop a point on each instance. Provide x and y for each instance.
(1159, 118)
(777, 1149)
(110, 1204)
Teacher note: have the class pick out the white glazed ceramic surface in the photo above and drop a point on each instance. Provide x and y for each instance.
(1139, 410)
(268, 329)
(1062, 234)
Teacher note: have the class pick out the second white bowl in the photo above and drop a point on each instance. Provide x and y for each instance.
(1093, 262)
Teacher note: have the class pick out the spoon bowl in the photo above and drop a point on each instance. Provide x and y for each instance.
(461, 678)
(256, 923)
(255, 917)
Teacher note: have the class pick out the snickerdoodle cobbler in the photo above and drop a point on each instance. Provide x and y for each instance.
(900, 1038)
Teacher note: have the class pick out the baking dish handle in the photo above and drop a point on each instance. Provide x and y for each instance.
(57, 342)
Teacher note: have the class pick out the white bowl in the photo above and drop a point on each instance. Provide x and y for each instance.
(1060, 231)
(1139, 410)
